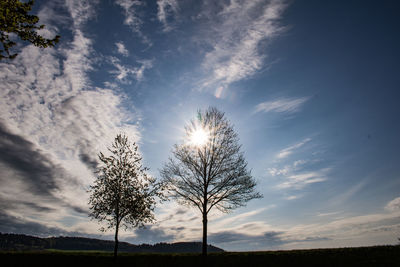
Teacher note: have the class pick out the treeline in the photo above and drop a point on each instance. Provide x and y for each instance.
(25, 242)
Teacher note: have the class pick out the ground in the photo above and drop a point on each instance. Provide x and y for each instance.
(364, 256)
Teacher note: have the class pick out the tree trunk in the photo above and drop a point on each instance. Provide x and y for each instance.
(204, 245)
(116, 242)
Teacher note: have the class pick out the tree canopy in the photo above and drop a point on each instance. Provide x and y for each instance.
(208, 168)
(123, 193)
(14, 19)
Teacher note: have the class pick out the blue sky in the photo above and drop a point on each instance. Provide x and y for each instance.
(311, 87)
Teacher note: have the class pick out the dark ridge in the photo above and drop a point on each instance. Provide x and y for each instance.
(25, 242)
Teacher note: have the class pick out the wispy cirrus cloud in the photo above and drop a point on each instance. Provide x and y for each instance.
(237, 232)
(282, 105)
(123, 72)
(328, 213)
(53, 123)
(81, 11)
(299, 173)
(240, 28)
(300, 180)
(166, 8)
(284, 153)
(122, 49)
(228, 222)
(356, 230)
(293, 197)
(132, 17)
(369, 229)
(393, 205)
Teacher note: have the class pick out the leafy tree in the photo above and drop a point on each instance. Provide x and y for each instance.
(208, 168)
(123, 193)
(14, 19)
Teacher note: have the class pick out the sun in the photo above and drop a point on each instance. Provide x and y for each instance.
(199, 137)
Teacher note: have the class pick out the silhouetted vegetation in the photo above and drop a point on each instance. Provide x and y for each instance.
(18, 242)
(209, 169)
(364, 256)
(123, 193)
(14, 19)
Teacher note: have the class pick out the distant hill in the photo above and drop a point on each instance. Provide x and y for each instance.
(26, 242)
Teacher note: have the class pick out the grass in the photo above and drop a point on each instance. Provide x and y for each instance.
(363, 256)
(88, 252)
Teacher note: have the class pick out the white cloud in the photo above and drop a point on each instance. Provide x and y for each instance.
(123, 72)
(283, 105)
(218, 92)
(110, 85)
(240, 29)
(276, 171)
(170, 215)
(328, 213)
(299, 180)
(122, 49)
(284, 153)
(293, 197)
(165, 9)
(249, 233)
(81, 10)
(46, 99)
(351, 226)
(393, 205)
(289, 168)
(132, 18)
(224, 222)
(77, 62)
(299, 162)
(299, 173)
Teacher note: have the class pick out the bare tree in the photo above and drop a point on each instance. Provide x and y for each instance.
(208, 168)
(123, 193)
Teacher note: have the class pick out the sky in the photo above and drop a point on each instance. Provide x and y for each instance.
(311, 87)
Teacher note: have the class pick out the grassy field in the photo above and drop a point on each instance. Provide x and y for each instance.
(364, 256)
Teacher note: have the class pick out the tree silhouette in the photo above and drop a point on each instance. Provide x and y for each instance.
(123, 193)
(14, 19)
(208, 169)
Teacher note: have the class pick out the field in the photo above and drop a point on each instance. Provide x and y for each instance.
(363, 256)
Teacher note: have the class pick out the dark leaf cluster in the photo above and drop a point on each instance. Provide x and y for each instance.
(14, 19)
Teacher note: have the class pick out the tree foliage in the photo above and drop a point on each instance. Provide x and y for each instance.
(212, 174)
(123, 193)
(14, 19)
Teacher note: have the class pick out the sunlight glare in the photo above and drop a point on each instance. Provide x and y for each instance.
(199, 137)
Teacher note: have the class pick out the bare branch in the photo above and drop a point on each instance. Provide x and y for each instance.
(213, 174)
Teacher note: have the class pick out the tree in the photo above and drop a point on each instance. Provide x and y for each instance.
(14, 19)
(123, 193)
(208, 168)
